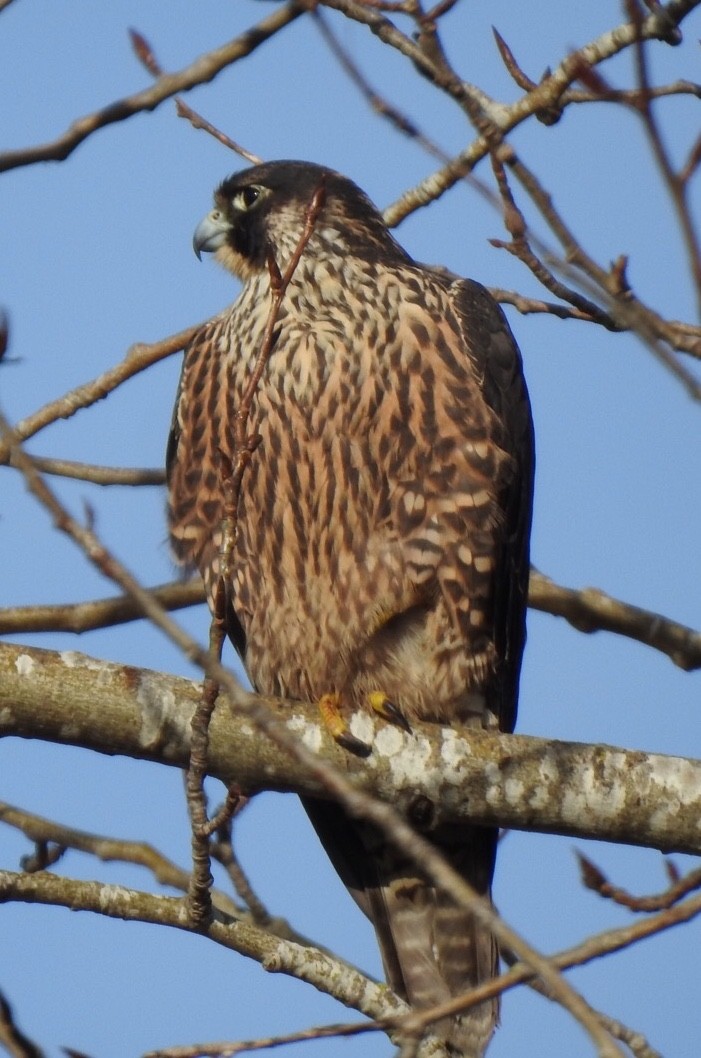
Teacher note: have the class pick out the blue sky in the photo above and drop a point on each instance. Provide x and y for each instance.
(97, 255)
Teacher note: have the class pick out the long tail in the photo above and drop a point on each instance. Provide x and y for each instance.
(431, 949)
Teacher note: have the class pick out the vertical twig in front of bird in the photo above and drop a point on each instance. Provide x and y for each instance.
(245, 444)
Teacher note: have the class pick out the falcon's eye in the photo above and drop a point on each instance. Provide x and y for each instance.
(247, 197)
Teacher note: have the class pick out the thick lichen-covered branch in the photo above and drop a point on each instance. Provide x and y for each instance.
(590, 791)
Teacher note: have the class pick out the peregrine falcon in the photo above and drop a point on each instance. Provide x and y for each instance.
(381, 548)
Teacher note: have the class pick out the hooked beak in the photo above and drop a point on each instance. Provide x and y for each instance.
(210, 233)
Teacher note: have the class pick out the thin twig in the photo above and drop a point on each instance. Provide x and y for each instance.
(199, 900)
(509, 60)
(594, 878)
(222, 850)
(228, 1048)
(146, 55)
(676, 185)
(630, 96)
(99, 475)
(529, 306)
(547, 93)
(138, 358)
(202, 70)
(632, 315)
(379, 103)
(519, 246)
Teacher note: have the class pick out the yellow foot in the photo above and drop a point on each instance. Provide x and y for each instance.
(330, 709)
(380, 704)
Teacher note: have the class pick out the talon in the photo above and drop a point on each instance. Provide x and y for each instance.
(330, 709)
(380, 704)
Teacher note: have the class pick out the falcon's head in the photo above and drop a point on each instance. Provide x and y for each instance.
(264, 209)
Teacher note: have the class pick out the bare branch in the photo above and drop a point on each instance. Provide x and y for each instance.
(658, 24)
(679, 336)
(99, 475)
(222, 850)
(108, 849)
(97, 613)
(379, 104)
(527, 306)
(676, 184)
(592, 948)
(165, 871)
(200, 71)
(594, 878)
(624, 309)
(591, 610)
(226, 1049)
(146, 55)
(519, 246)
(183, 110)
(138, 358)
(272, 953)
(135, 906)
(630, 96)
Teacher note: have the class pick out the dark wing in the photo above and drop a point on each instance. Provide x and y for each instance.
(497, 363)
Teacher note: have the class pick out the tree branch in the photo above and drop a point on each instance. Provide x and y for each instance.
(592, 610)
(659, 24)
(99, 475)
(47, 833)
(200, 71)
(140, 356)
(589, 791)
(272, 953)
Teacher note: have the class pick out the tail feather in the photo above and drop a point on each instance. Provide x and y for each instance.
(431, 949)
